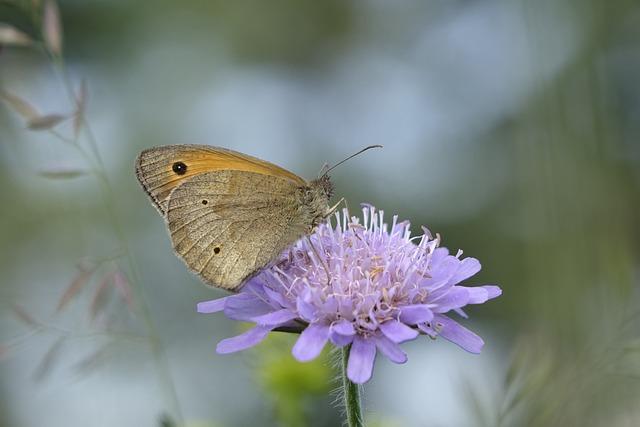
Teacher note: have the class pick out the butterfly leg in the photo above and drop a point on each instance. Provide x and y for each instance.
(333, 208)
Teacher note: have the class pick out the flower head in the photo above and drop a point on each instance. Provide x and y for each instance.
(358, 283)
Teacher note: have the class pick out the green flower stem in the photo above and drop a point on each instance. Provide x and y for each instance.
(350, 394)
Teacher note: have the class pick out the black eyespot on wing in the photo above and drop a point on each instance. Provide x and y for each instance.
(204, 202)
(179, 168)
(216, 250)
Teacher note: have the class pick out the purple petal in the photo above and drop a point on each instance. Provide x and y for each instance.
(243, 341)
(493, 291)
(398, 331)
(456, 297)
(212, 306)
(439, 254)
(276, 297)
(457, 334)
(361, 358)
(275, 318)
(345, 306)
(481, 294)
(255, 285)
(467, 268)
(330, 305)
(340, 340)
(445, 268)
(391, 350)
(245, 307)
(311, 342)
(477, 295)
(343, 327)
(306, 310)
(414, 314)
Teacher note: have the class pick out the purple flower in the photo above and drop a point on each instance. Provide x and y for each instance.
(384, 288)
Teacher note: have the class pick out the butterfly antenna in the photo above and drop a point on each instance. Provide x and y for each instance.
(351, 157)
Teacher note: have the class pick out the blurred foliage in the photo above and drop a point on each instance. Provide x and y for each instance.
(290, 385)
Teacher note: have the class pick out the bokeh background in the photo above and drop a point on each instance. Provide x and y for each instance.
(511, 127)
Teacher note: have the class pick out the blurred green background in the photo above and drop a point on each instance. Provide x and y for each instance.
(511, 127)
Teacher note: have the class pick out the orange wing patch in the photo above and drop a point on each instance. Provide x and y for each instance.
(161, 169)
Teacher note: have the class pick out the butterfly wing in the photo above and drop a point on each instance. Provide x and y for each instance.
(162, 169)
(227, 225)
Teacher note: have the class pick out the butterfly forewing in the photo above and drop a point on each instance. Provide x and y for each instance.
(161, 169)
(226, 225)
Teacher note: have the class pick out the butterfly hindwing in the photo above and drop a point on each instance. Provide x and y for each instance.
(227, 225)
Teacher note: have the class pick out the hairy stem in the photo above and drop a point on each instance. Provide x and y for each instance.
(350, 394)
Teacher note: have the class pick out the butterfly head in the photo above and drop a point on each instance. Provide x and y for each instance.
(323, 185)
(313, 200)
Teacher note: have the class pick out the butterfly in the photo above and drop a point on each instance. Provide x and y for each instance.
(229, 215)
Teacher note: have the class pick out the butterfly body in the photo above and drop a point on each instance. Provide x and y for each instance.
(229, 215)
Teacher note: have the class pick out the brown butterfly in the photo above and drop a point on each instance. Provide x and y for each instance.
(229, 214)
